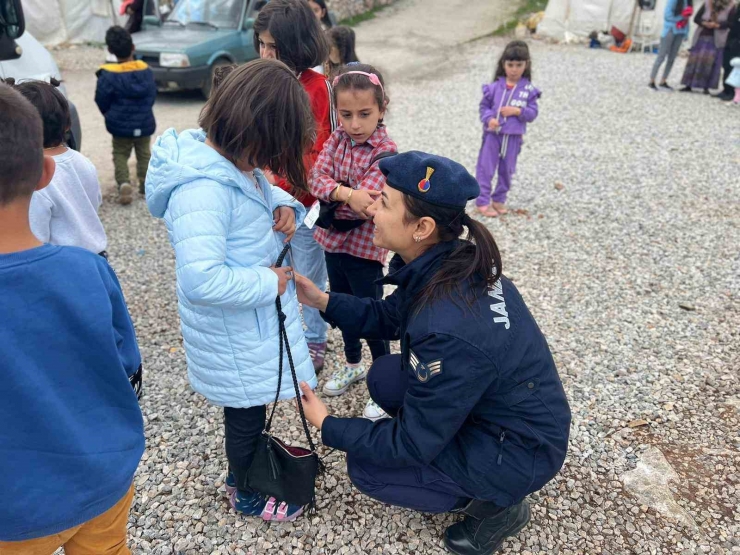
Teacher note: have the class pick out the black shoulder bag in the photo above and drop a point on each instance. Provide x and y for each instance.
(282, 471)
(327, 210)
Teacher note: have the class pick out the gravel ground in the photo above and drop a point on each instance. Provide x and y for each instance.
(623, 240)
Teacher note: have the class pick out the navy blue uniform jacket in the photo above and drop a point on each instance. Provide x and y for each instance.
(485, 404)
(125, 95)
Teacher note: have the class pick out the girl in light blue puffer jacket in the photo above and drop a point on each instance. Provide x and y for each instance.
(228, 225)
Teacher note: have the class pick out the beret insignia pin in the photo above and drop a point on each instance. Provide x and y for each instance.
(424, 184)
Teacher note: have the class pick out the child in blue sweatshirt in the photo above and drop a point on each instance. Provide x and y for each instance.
(71, 433)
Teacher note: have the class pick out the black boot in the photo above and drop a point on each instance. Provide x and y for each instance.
(485, 528)
(725, 95)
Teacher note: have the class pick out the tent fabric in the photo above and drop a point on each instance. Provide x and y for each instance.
(54, 22)
(581, 17)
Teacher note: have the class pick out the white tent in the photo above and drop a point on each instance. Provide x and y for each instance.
(54, 22)
(581, 17)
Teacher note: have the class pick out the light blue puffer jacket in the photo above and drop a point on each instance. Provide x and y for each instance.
(220, 226)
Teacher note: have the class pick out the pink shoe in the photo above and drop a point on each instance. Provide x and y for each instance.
(284, 512)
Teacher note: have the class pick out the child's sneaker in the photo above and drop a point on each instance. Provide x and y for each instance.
(374, 412)
(255, 504)
(125, 193)
(318, 353)
(342, 379)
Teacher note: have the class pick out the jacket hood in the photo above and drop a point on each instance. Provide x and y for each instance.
(180, 159)
(133, 79)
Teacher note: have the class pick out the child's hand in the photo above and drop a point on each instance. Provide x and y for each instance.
(493, 124)
(284, 274)
(309, 294)
(284, 217)
(508, 111)
(313, 407)
(361, 200)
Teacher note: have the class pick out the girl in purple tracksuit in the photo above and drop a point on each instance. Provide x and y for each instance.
(508, 104)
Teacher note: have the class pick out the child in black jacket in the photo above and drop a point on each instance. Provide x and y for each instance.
(125, 95)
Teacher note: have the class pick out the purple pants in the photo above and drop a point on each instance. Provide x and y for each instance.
(497, 152)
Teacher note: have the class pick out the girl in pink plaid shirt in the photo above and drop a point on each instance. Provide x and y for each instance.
(347, 171)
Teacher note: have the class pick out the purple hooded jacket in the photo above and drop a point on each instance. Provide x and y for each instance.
(496, 96)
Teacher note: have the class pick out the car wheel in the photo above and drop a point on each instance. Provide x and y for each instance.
(208, 85)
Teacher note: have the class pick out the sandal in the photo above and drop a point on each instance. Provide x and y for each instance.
(500, 208)
(487, 211)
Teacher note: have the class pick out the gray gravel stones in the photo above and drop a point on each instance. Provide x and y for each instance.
(647, 219)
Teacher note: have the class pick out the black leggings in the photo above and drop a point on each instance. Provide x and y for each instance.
(356, 276)
(242, 428)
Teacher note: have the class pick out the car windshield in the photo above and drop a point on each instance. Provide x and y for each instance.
(213, 13)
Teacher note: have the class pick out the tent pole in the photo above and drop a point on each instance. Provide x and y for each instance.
(632, 20)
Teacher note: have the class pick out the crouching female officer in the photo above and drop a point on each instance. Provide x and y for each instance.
(480, 418)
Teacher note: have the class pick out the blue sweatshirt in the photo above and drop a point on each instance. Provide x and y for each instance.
(71, 431)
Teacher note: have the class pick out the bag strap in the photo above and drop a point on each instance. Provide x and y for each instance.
(283, 333)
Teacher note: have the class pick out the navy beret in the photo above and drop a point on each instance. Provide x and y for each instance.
(435, 179)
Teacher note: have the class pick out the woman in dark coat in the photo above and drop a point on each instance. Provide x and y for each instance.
(479, 414)
(732, 50)
(705, 61)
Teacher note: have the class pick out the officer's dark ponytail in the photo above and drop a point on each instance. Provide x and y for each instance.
(477, 258)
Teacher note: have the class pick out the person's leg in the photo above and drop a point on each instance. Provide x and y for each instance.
(422, 489)
(242, 428)
(143, 148)
(387, 383)
(732, 50)
(336, 267)
(363, 275)
(103, 535)
(121, 151)
(665, 44)
(512, 144)
(488, 161)
(672, 52)
(308, 260)
(47, 545)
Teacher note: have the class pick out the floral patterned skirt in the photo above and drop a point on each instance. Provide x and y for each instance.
(704, 65)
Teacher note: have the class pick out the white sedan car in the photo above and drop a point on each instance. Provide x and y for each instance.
(37, 63)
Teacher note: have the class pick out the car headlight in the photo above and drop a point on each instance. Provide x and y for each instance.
(170, 59)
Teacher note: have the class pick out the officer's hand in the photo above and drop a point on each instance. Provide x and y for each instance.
(313, 407)
(309, 294)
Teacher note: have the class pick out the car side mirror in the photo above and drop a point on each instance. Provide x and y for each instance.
(248, 24)
(12, 26)
(12, 22)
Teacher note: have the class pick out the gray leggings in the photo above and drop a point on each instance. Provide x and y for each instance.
(669, 47)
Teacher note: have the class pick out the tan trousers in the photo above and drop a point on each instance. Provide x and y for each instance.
(103, 535)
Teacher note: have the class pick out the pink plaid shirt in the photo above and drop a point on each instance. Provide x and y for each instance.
(348, 163)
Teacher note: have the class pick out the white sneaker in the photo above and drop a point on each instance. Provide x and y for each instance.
(374, 412)
(342, 379)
